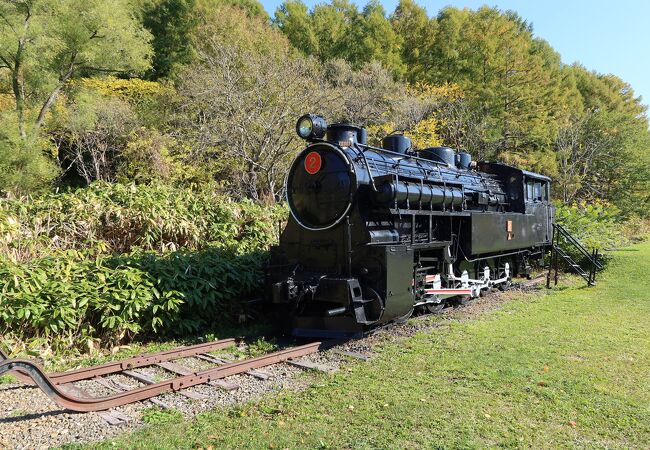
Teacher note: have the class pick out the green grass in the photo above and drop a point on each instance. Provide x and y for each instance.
(159, 416)
(567, 369)
(7, 379)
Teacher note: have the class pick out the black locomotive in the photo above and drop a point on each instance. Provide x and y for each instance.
(375, 233)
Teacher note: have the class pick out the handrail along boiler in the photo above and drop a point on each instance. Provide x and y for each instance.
(376, 233)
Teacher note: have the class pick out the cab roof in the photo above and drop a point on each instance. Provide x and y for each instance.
(537, 176)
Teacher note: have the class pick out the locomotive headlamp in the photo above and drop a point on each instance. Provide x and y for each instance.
(311, 126)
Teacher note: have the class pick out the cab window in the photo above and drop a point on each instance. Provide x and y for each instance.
(538, 191)
(529, 190)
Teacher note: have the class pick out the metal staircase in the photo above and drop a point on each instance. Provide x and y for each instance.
(562, 237)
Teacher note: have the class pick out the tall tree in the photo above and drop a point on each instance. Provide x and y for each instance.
(376, 40)
(240, 100)
(415, 30)
(604, 152)
(292, 17)
(45, 43)
(339, 30)
(514, 79)
(170, 22)
(252, 8)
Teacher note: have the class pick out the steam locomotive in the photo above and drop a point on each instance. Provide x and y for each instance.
(377, 233)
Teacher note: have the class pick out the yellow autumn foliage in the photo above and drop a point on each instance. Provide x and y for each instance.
(378, 131)
(445, 92)
(127, 89)
(424, 134)
(6, 102)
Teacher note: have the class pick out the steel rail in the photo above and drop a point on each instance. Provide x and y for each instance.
(86, 404)
(146, 359)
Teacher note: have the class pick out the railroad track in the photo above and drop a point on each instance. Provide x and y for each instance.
(59, 387)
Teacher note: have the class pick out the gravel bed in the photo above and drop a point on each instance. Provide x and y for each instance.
(28, 419)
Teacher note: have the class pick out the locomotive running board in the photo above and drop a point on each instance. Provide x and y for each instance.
(58, 393)
(446, 293)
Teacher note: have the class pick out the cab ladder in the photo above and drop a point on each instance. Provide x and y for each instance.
(561, 238)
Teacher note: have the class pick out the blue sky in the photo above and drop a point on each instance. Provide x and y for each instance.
(606, 36)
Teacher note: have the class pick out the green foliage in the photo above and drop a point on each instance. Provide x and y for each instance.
(511, 76)
(71, 297)
(114, 129)
(50, 42)
(340, 30)
(603, 152)
(411, 23)
(170, 23)
(249, 96)
(24, 167)
(146, 158)
(175, 23)
(115, 218)
(63, 283)
(595, 225)
(223, 24)
(7, 379)
(69, 300)
(252, 8)
(520, 104)
(159, 416)
(151, 101)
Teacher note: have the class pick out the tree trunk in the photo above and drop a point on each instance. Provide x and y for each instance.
(47, 105)
(18, 88)
(20, 102)
(53, 95)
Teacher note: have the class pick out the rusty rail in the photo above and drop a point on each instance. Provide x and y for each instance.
(54, 385)
(143, 360)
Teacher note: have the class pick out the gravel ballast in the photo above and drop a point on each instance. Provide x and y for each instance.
(29, 419)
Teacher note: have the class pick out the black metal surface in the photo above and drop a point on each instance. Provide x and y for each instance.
(378, 217)
(443, 154)
(320, 199)
(396, 143)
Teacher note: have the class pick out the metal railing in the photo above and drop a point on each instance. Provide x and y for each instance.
(557, 253)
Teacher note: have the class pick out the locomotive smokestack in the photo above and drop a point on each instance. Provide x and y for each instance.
(346, 134)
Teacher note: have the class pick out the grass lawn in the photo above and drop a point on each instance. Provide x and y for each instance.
(567, 369)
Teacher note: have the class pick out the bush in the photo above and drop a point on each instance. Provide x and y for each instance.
(595, 225)
(636, 229)
(115, 262)
(117, 218)
(68, 299)
(72, 300)
(25, 166)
